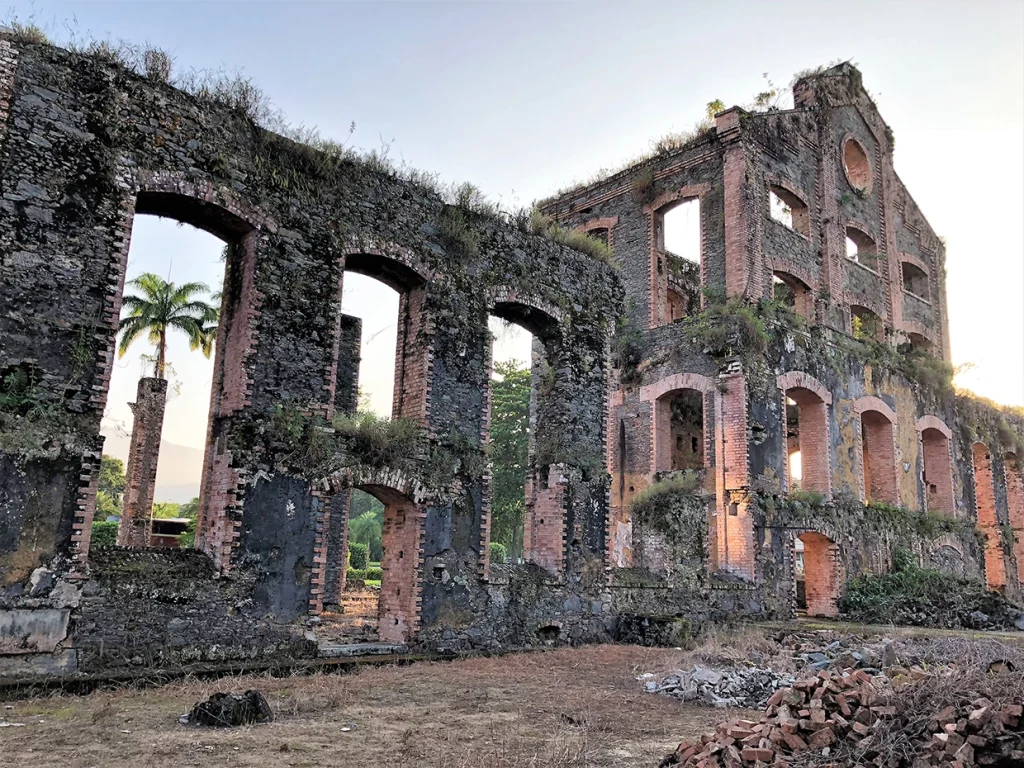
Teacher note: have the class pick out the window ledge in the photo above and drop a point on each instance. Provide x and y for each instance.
(864, 266)
(796, 232)
(916, 297)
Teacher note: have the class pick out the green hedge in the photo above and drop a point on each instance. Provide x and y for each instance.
(374, 574)
(104, 534)
(358, 556)
(354, 574)
(499, 552)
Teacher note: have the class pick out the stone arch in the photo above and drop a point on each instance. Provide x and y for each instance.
(812, 428)
(398, 610)
(877, 435)
(537, 315)
(216, 210)
(936, 464)
(947, 554)
(822, 571)
(400, 267)
(913, 327)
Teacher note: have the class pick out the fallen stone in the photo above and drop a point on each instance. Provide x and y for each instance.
(227, 710)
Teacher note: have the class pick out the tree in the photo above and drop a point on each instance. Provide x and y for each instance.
(163, 306)
(510, 446)
(366, 529)
(111, 485)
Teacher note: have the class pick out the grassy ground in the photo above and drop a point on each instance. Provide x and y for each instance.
(556, 709)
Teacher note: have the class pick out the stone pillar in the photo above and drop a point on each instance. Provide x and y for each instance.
(143, 456)
(336, 534)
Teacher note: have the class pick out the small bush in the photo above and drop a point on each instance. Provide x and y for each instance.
(547, 227)
(688, 481)
(499, 553)
(104, 534)
(27, 32)
(156, 65)
(374, 574)
(377, 442)
(354, 575)
(358, 556)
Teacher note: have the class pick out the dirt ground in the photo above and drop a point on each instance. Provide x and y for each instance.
(562, 708)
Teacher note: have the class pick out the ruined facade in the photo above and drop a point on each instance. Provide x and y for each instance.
(810, 338)
(713, 386)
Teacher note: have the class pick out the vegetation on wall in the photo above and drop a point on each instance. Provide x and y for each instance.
(509, 453)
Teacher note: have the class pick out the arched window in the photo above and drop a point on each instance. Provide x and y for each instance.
(865, 325)
(793, 292)
(807, 441)
(878, 457)
(938, 472)
(680, 430)
(676, 276)
(915, 281)
(789, 210)
(860, 247)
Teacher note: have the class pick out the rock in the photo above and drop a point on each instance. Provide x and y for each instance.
(888, 655)
(705, 675)
(226, 710)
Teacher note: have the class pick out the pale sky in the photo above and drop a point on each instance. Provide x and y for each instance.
(522, 98)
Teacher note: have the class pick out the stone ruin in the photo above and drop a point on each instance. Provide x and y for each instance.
(670, 395)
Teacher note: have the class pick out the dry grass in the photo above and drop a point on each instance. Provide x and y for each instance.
(556, 709)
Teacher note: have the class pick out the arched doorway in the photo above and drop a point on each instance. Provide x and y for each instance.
(817, 574)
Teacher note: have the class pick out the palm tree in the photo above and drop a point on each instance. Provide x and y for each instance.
(163, 306)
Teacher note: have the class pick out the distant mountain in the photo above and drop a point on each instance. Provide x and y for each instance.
(178, 474)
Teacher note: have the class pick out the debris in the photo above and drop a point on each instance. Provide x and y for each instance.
(226, 710)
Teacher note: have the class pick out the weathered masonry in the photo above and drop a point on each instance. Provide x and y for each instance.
(786, 378)
(86, 146)
(729, 435)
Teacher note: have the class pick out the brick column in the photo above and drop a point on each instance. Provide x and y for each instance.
(988, 525)
(335, 534)
(143, 456)
(412, 359)
(735, 536)
(1015, 506)
(398, 610)
(544, 528)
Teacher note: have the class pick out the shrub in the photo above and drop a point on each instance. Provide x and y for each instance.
(687, 481)
(353, 575)
(547, 227)
(104, 534)
(358, 556)
(374, 574)
(378, 442)
(499, 553)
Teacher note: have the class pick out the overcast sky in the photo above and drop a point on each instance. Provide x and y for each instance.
(522, 98)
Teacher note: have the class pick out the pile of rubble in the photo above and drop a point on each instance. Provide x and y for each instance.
(849, 718)
(742, 687)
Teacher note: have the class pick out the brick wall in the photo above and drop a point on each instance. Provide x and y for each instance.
(878, 458)
(938, 472)
(988, 525)
(398, 610)
(544, 526)
(1014, 472)
(823, 578)
(143, 455)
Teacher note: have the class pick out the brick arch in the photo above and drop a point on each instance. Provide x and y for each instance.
(687, 192)
(533, 312)
(175, 184)
(814, 434)
(778, 181)
(913, 326)
(607, 222)
(792, 379)
(699, 382)
(398, 610)
(782, 264)
(398, 265)
(937, 464)
(823, 569)
(934, 422)
(871, 403)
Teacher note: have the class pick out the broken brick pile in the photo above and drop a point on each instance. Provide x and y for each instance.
(842, 715)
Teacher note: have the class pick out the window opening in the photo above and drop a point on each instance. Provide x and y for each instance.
(789, 210)
(158, 403)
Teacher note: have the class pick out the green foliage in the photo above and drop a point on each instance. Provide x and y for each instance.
(30, 425)
(499, 553)
(187, 540)
(911, 594)
(26, 32)
(162, 306)
(629, 347)
(687, 481)
(509, 452)
(547, 227)
(354, 574)
(731, 327)
(165, 510)
(374, 574)
(190, 509)
(457, 232)
(106, 506)
(377, 442)
(112, 480)
(807, 497)
(104, 534)
(643, 185)
(358, 556)
(366, 531)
